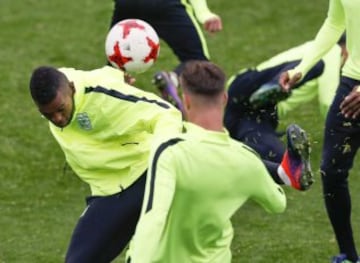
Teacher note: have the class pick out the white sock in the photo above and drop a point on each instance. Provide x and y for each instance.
(283, 176)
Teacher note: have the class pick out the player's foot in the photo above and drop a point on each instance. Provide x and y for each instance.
(341, 258)
(164, 83)
(295, 169)
(268, 94)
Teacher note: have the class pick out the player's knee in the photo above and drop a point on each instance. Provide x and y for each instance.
(333, 180)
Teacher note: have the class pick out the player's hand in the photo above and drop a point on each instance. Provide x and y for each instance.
(213, 24)
(129, 79)
(350, 106)
(286, 82)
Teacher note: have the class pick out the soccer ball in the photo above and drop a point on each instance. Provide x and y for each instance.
(132, 45)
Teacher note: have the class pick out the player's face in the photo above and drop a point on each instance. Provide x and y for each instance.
(60, 110)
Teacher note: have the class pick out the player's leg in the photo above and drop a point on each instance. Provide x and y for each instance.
(271, 92)
(294, 169)
(117, 14)
(106, 226)
(147, 10)
(256, 89)
(239, 111)
(141, 9)
(242, 85)
(262, 138)
(167, 84)
(179, 21)
(341, 141)
(290, 166)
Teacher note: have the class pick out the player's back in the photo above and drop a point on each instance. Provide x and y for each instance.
(215, 175)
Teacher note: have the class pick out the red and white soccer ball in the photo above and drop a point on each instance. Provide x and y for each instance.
(132, 45)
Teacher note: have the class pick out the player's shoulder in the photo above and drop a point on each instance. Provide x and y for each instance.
(108, 71)
(243, 148)
(169, 147)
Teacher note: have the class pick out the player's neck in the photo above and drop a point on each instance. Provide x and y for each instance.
(210, 119)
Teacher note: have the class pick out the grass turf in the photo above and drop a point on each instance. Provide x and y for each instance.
(40, 201)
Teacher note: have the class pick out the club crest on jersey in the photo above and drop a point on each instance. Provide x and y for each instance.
(84, 121)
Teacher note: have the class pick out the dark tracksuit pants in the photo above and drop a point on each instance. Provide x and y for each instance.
(257, 127)
(172, 23)
(341, 142)
(107, 225)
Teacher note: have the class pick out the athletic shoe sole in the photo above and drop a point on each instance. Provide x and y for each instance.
(299, 144)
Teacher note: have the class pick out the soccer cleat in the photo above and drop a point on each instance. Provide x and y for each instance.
(268, 94)
(341, 258)
(295, 168)
(163, 81)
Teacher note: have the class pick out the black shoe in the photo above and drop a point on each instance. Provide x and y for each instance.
(268, 94)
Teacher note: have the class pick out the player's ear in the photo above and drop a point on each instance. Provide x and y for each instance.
(72, 87)
(186, 101)
(224, 98)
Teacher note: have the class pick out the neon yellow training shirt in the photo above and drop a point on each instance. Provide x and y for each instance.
(201, 10)
(107, 142)
(195, 184)
(342, 14)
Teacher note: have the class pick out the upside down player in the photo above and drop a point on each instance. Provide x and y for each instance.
(257, 103)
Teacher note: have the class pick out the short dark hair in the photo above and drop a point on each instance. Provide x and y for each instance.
(202, 78)
(44, 84)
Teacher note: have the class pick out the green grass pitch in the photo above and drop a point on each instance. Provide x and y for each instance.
(40, 201)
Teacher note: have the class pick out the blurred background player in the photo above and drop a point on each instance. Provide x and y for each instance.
(177, 23)
(342, 127)
(256, 101)
(187, 210)
(105, 128)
